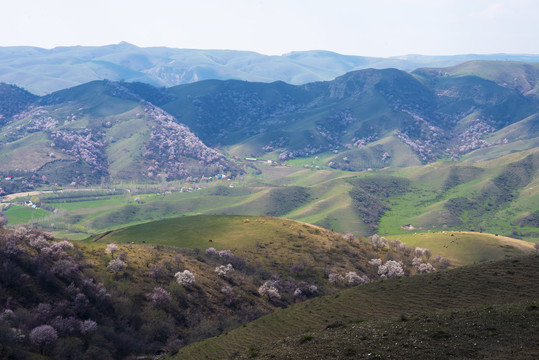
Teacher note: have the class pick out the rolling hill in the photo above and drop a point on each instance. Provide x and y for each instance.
(43, 71)
(465, 139)
(166, 284)
(370, 118)
(441, 196)
(99, 131)
(211, 214)
(471, 310)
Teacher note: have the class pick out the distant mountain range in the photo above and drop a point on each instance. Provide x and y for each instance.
(42, 71)
(365, 119)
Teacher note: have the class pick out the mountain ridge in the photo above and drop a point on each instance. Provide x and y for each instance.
(361, 117)
(47, 70)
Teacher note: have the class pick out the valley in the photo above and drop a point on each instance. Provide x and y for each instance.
(383, 212)
(441, 196)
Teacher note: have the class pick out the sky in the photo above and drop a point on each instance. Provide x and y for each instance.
(355, 27)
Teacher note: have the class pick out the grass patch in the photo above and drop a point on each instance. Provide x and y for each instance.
(197, 231)
(24, 214)
(305, 338)
(465, 248)
(285, 199)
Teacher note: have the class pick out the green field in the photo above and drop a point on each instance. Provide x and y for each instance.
(23, 214)
(99, 202)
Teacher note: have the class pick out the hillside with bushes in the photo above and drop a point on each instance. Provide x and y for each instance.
(130, 293)
(488, 310)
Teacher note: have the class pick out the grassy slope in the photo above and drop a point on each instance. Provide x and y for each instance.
(196, 231)
(521, 76)
(28, 153)
(244, 232)
(508, 281)
(465, 248)
(493, 332)
(274, 242)
(425, 207)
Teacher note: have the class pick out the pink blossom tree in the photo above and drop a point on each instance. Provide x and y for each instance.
(88, 327)
(160, 298)
(44, 337)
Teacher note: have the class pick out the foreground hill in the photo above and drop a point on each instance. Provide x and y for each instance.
(158, 290)
(488, 310)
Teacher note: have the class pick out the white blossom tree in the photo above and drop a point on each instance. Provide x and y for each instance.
(391, 269)
(116, 265)
(335, 278)
(111, 249)
(349, 237)
(270, 289)
(352, 278)
(224, 270)
(185, 278)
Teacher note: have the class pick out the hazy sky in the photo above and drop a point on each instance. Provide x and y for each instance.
(355, 27)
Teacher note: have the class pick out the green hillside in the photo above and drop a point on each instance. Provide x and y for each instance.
(481, 196)
(497, 197)
(520, 76)
(197, 231)
(106, 131)
(310, 329)
(133, 287)
(465, 142)
(465, 248)
(243, 233)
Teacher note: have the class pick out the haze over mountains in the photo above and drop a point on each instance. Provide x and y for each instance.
(42, 71)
